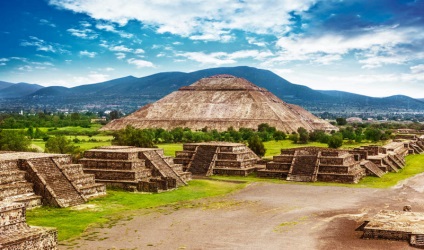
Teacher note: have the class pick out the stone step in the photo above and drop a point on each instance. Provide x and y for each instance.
(93, 190)
(30, 200)
(6, 166)
(83, 179)
(72, 169)
(14, 189)
(12, 176)
(103, 174)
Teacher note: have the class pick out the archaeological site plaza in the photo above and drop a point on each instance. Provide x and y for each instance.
(29, 180)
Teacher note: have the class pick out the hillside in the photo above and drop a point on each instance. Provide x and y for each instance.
(19, 90)
(129, 93)
(4, 85)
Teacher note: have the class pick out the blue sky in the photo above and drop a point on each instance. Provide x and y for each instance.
(373, 47)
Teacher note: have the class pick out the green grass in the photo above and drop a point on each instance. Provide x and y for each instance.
(119, 204)
(274, 147)
(170, 148)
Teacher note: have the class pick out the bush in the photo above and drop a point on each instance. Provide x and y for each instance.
(335, 141)
(256, 145)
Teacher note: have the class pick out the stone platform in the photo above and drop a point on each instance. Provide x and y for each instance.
(217, 158)
(396, 225)
(132, 168)
(16, 234)
(312, 164)
(48, 179)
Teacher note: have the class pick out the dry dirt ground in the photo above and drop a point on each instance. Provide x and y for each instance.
(261, 216)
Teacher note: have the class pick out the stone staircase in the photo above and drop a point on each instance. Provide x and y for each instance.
(304, 168)
(52, 184)
(162, 166)
(202, 159)
(417, 240)
(85, 183)
(392, 167)
(395, 161)
(15, 234)
(372, 168)
(14, 187)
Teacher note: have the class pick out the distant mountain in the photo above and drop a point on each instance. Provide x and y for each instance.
(399, 101)
(129, 93)
(19, 90)
(4, 85)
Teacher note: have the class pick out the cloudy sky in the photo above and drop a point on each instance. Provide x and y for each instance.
(362, 46)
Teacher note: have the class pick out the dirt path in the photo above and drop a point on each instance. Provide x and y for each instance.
(261, 216)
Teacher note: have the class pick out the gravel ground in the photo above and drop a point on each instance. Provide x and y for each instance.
(261, 216)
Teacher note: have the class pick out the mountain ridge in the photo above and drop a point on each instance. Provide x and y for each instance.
(132, 92)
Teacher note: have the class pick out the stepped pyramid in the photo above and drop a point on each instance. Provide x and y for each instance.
(48, 179)
(220, 102)
(132, 168)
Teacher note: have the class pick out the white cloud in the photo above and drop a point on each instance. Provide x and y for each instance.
(206, 20)
(120, 48)
(140, 63)
(111, 28)
(85, 24)
(87, 53)
(42, 45)
(109, 69)
(120, 55)
(255, 41)
(417, 69)
(221, 58)
(83, 33)
(47, 23)
(373, 47)
(92, 77)
(139, 51)
(4, 59)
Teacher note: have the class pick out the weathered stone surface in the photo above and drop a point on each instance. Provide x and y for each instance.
(396, 225)
(16, 234)
(50, 179)
(220, 102)
(132, 168)
(222, 158)
(314, 164)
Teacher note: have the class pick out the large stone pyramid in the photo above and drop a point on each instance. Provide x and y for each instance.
(220, 102)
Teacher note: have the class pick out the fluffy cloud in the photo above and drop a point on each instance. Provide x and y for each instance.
(222, 58)
(373, 47)
(111, 28)
(202, 20)
(83, 33)
(140, 63)
(87, 53)
(120, 48)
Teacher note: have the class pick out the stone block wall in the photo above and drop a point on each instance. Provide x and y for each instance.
(16, 234)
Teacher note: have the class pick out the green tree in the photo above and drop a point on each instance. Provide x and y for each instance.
(303, 135)
(341, 121)
(134, 137)
(335, 141)
(14, 140)
(294, 137)
(256, 145)
(60, 144)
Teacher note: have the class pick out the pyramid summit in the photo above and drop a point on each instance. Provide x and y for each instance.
(219, 102)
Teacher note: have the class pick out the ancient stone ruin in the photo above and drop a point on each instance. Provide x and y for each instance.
(16, 234)
(132, 168)
(48, 179)
(389, 158)
(220, 102)
(396, 225)
(222, 158)
(312, 164)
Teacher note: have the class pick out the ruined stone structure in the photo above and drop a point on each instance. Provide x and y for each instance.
(389, 158)
(396, 225)
(312, 164)
(221, 158)
(220, 102)
(132, 168)
(416, 145)
(49, 179)
(16, 234)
